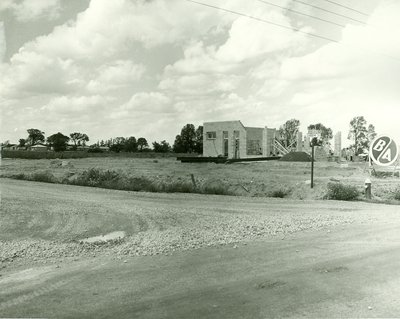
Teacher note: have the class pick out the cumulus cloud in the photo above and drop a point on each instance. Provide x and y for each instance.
(148, 102)
(32, 73)
(28, 10)
(114, 75)
(200, 84)
(127, 22)
(234, 64)
(75, 104)
(3, 45)
(100, 42)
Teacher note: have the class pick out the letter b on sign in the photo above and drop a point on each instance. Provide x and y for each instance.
(379, 145)
(383, 151)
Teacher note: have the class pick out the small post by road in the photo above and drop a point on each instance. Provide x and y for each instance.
(193, 181)
(368, 188)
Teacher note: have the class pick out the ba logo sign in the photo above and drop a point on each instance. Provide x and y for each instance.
(383, 151)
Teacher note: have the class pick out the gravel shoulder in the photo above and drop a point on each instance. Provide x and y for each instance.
(45, 222)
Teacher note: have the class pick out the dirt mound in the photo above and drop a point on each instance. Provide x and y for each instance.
(296, 157)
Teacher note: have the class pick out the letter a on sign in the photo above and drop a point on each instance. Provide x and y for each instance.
(387, 156)
(383, 151)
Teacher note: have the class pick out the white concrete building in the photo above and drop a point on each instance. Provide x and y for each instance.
(232, 139)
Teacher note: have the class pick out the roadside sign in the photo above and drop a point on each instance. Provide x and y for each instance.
(383, 151)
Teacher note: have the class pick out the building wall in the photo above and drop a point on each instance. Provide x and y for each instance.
(268, 141)
(299, 146)
(215, 147)
(338, 144)
(254, 141)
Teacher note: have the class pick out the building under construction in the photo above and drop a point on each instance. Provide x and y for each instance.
(231, 139)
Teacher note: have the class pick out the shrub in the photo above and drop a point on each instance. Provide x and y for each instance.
(44, 176)
(339, 191)
(396, 193)
(41, 176)
(20, 176)
(137, 184)
(178, 187)
(279, 193)
(95, 150)
(99, 178)
(216, 190)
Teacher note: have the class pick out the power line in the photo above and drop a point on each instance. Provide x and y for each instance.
(290, 28)
(329, 11)
(348, 8)
(264, 21)
(301, 13)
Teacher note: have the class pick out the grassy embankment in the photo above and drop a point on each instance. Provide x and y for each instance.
(257, 179)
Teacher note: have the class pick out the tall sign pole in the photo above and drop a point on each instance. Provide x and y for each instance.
(312, 165)
(383, 151)
(314, 141)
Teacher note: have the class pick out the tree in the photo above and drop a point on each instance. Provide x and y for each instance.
(178, 145)
(117, 144)
(58, 141)
(130, 144)
(142, 143)
(162, 147)
(198, 147)
(288, 133)
(79, 139)
(371, 134)
(22, 142)
(35, 136)
(326, 133)
(186, 141)
(359, 134)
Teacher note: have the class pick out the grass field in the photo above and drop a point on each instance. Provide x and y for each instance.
(257, 179)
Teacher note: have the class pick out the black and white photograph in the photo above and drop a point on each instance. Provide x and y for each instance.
(207, 159)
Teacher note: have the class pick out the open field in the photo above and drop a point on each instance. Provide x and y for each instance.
(193, 256)
(259, 179)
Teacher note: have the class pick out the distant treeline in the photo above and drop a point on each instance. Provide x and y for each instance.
(84, 154)
(189, 141)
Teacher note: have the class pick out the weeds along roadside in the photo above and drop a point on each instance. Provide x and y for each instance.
(110, 179)
(118, 180)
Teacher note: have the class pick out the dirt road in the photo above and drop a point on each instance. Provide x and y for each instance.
(324, 259)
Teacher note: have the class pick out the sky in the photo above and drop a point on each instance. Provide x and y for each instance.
(145, 68)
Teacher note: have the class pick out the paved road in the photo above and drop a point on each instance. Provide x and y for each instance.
(346, 270)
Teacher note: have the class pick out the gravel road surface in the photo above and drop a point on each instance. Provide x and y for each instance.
(43, 221)
(193, 256)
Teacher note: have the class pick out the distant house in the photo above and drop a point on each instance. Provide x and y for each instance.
(10, 147)
(38, 148)
(83, 148)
